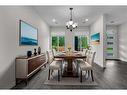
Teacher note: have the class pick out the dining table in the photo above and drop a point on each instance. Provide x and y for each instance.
(69, 57)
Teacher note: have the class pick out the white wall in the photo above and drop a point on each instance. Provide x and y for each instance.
(9, 39)
(122, 39)
(69, 36)
(58, 31)
(99, 26)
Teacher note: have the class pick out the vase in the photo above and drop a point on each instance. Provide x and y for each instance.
(39, 50)
(35, 52)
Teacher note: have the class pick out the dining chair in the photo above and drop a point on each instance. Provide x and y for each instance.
(87, 65)
(53, 64)
(85, 50)
(58, 59)
(78, 60)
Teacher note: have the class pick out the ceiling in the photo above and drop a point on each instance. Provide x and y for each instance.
(116, 14)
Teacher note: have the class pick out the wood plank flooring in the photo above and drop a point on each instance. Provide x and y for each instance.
(113, 77)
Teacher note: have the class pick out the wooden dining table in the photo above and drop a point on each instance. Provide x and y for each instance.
(70, 57)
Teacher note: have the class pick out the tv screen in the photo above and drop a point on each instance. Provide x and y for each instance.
(28, 34)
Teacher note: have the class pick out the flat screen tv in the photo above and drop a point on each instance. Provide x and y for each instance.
(28, 34)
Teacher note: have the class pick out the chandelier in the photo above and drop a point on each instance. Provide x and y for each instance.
(70, 24)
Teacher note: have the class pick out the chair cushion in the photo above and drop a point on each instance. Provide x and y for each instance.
(85, 66)
(55, 65)
(58, 59)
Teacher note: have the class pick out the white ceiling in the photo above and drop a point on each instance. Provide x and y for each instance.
(118, 14)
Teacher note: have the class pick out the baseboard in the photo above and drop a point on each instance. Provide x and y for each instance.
(100, 66)
(114, 59)
(8, 85)
(123, 60)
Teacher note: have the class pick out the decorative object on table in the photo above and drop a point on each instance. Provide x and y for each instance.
(69, 48)
(28, 34)
(70, 24)
(35, 52)
(95, 39)
(39, 50)
(29, 53)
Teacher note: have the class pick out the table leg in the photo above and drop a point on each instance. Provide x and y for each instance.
(69, 66)
(69, 72)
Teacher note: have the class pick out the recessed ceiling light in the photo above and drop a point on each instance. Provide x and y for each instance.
(86, 19)
(112, 22)
(53, 20)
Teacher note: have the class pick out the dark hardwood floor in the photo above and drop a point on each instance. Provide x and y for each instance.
(113, 77)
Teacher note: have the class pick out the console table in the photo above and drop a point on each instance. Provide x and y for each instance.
(27, 66)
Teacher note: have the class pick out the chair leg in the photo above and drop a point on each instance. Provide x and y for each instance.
(92, 75)
(61, 67)
(77, 68)
(81, 76)
(88, 73)
(51, 72)
(49, 75)
(45, 66)
(58, 75)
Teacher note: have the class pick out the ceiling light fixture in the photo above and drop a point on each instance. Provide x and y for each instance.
(53, 20)
(86, 19)
(70, 24)
(112, 22)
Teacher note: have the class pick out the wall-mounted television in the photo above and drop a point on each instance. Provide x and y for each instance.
(28, 34)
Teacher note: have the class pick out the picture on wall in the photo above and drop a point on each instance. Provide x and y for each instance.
(28, 34)
(95, 39)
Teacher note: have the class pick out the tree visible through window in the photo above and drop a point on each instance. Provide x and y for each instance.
(84, 42)
(58, 43)
(54, 42)
(61, 43)
(81, 42)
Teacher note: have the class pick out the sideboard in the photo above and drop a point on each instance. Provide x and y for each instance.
(27, 66)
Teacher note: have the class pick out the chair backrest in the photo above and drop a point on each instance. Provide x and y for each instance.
(85, 51)
(91, 57)
(54, 51)
(50, 56)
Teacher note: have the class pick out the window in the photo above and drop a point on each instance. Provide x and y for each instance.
(109, 37)
(61, 43)
(109, 43)
(110, 54)
(81, 42)
(54, 42)
(109, 49)
(58, 43)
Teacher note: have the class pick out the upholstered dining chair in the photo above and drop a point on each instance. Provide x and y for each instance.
(87, 65)
(78, 61)
(53, 64)
(58, 59)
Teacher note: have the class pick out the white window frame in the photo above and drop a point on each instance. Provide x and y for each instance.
(58, 40)
(79, 36)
